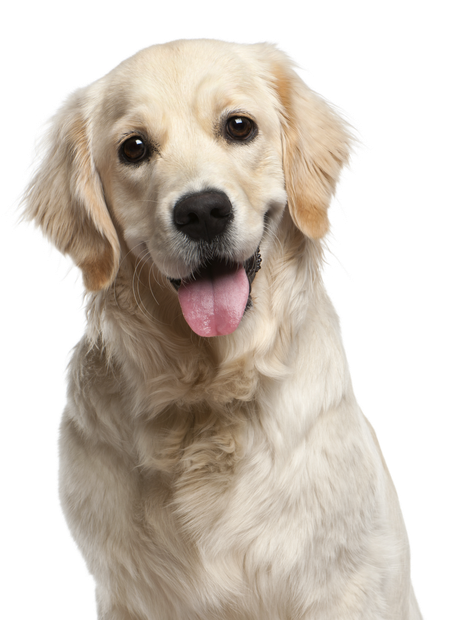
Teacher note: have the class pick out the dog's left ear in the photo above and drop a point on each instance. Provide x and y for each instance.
(66, 197)
(316, 144)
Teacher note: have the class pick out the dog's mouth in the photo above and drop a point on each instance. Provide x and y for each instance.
(215, 297)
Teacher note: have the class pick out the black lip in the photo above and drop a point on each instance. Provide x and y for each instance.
(251, 265)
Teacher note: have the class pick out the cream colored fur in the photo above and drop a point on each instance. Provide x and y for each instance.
(226, 478)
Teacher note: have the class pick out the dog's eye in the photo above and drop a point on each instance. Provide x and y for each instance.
(240, 128)
(133, 150)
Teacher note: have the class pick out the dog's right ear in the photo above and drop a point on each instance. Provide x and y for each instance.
(316, 144)
(66, 199)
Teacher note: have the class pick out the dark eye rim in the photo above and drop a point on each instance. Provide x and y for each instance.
(145, 154)
(244, 139)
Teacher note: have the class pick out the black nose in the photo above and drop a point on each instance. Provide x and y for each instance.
(204, 215)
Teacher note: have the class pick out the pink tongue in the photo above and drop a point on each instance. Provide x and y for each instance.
(213, 304)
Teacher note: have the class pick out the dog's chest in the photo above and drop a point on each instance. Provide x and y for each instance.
(225, 493)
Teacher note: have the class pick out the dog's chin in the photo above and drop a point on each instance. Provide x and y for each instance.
(215, 296)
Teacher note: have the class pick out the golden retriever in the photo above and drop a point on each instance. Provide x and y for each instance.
(214, 461)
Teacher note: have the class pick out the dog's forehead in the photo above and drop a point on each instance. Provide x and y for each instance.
(182, 64)
(187, 75)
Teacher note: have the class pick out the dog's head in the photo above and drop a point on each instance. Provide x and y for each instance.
(186, 155)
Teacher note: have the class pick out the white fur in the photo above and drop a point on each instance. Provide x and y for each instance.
(228, 478)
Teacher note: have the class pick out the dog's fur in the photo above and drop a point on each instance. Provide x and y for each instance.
(214, 478)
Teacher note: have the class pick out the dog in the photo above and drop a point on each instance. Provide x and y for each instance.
(214, 461)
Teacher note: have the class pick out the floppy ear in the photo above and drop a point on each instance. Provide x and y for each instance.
(66, 198)
(315, 147)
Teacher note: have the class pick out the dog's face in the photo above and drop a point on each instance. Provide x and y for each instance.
(191, 163)
(191, 138)
(188, 153)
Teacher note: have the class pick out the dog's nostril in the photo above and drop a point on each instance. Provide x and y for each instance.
(183, 219)
(204, 215)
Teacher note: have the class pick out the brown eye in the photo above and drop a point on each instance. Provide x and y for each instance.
(240, 129)
(133, 150)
